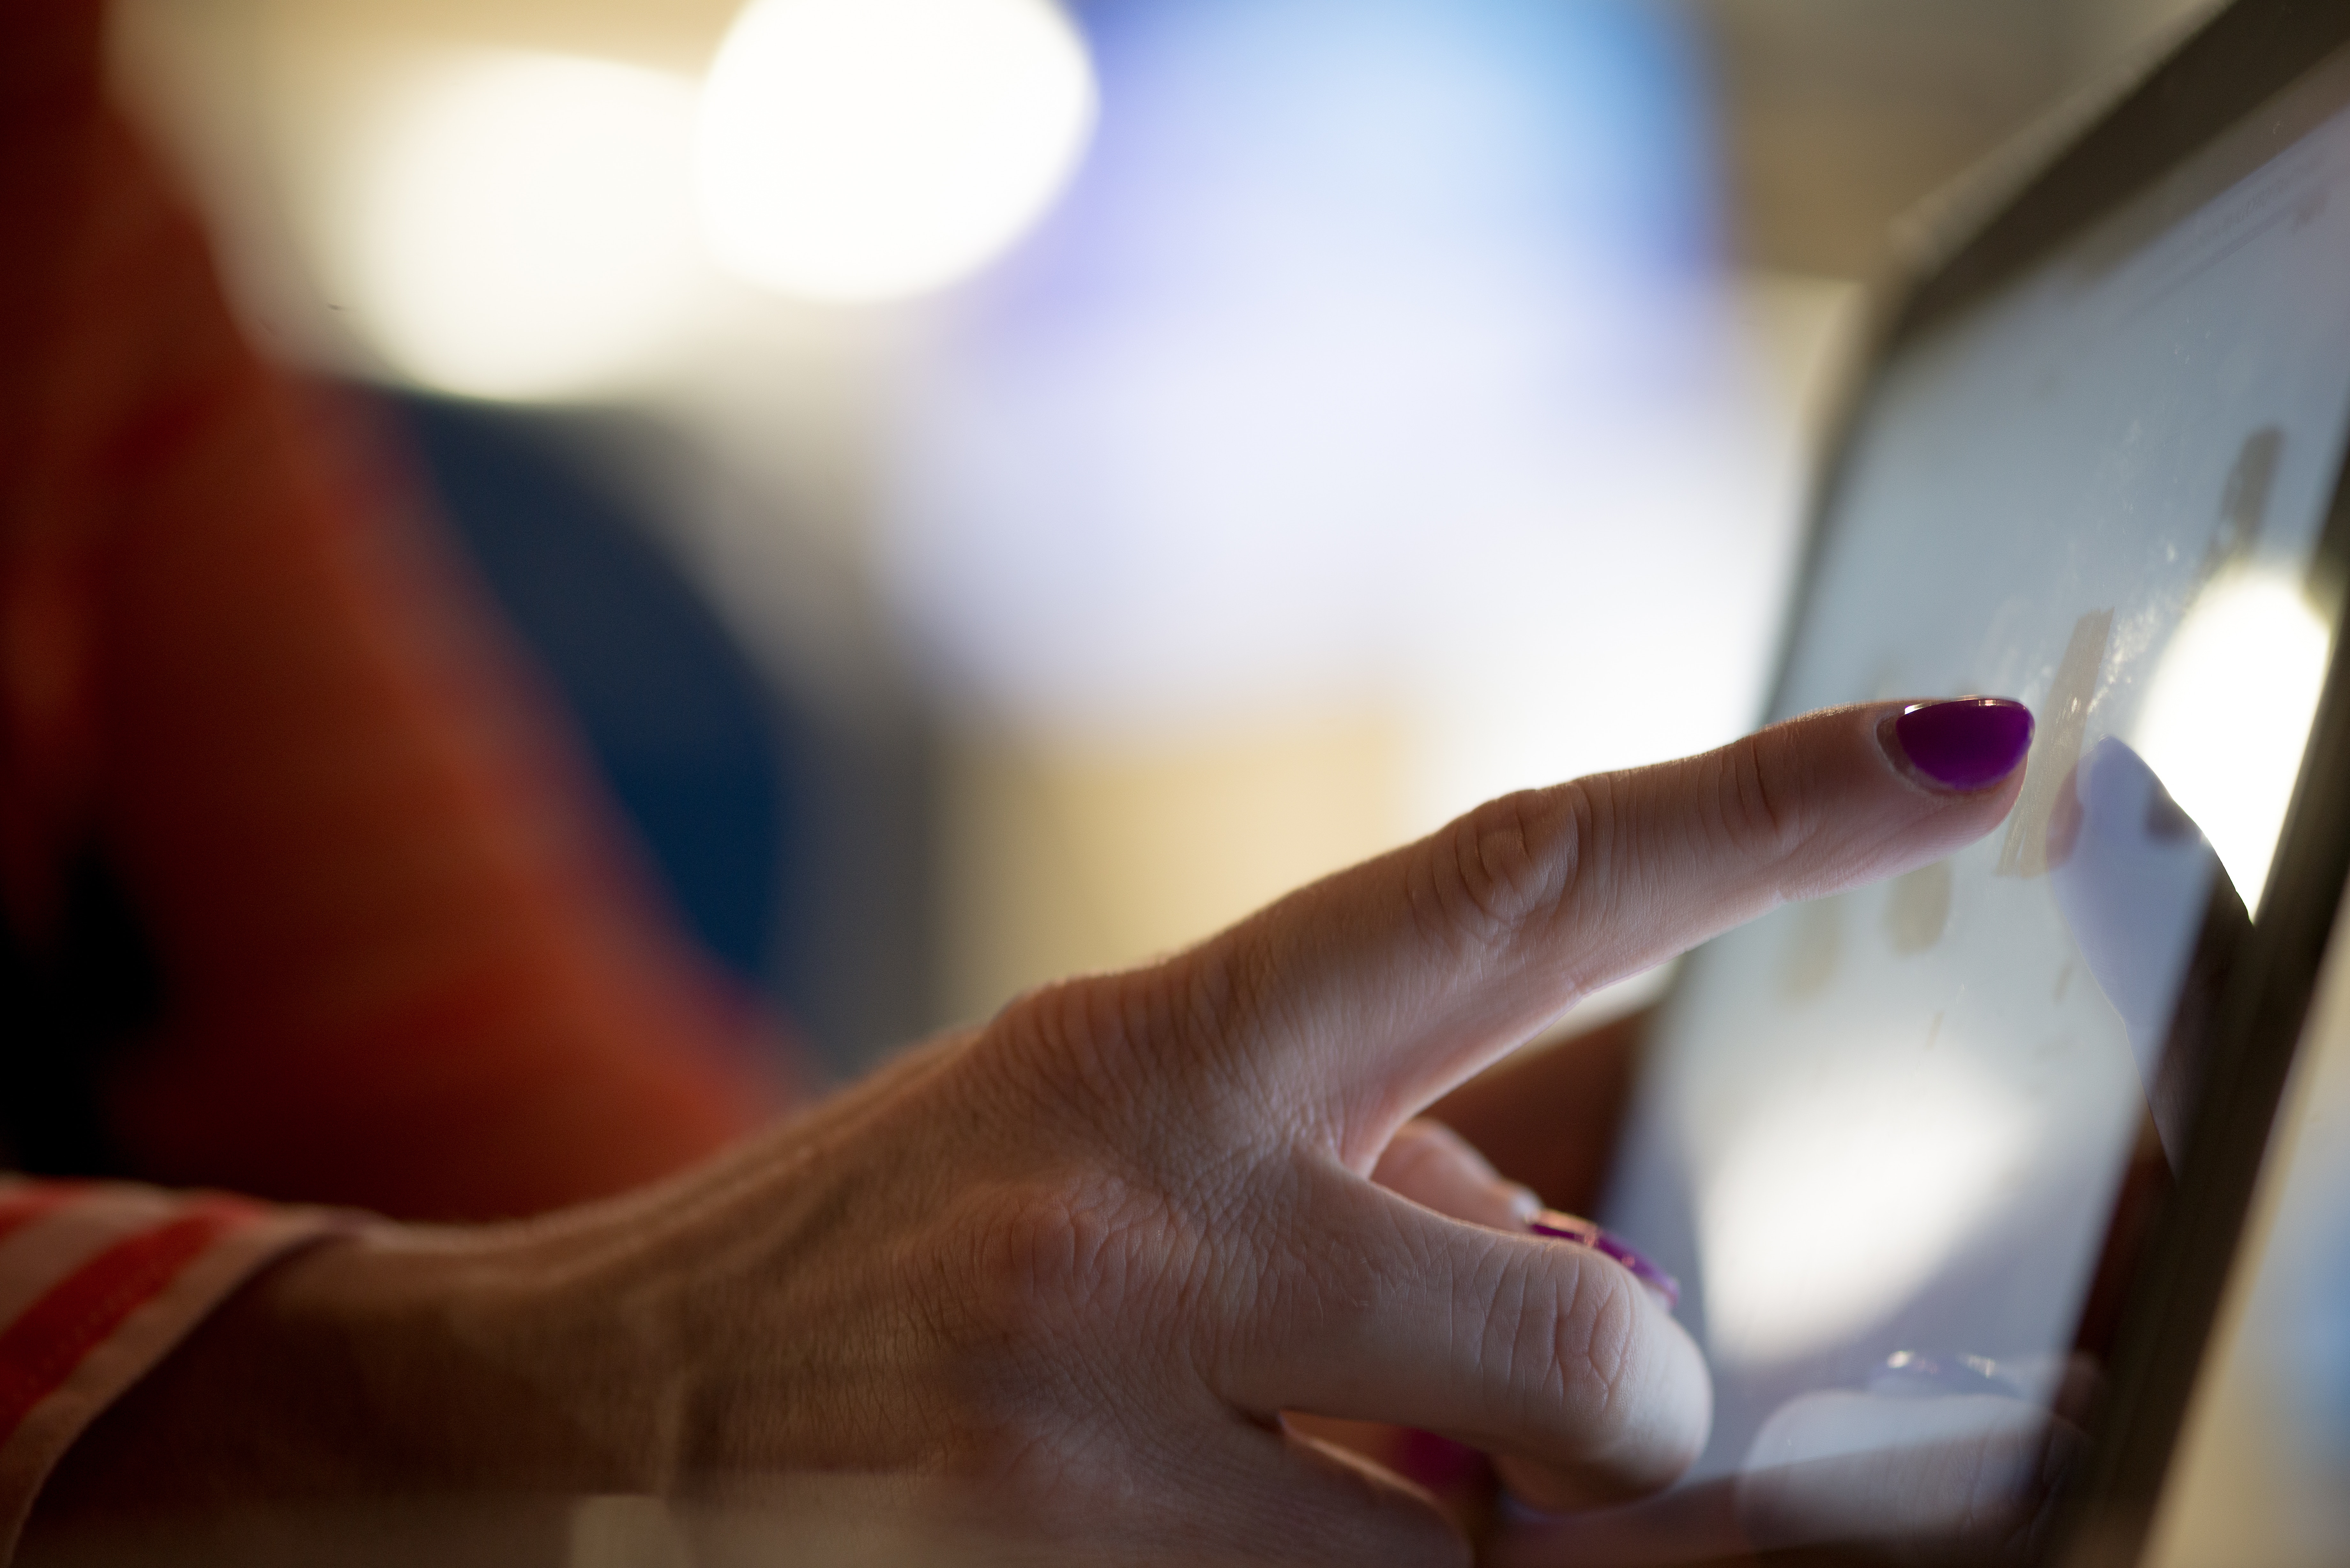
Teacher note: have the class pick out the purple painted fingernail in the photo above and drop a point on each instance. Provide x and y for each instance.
(1567, 1228)
(1963, 744)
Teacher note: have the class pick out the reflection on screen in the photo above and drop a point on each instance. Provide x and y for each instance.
(1885, 1137)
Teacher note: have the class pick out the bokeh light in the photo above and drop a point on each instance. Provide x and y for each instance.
(1836, 1201)
(519, 225)
(858, 150)
(2228, 715)
(1378, 358)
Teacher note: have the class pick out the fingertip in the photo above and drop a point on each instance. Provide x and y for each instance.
(1867, 809)
(1961, 745)
(1668, 1395)
(1671, 1389)
(1682, 1398)
(1655, 1404)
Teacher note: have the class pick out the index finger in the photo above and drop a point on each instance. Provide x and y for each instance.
(1368, 994)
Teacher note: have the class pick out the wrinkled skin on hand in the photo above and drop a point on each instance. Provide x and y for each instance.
(1079, 1261)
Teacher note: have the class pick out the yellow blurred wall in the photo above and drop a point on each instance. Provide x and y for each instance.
(1066, 857)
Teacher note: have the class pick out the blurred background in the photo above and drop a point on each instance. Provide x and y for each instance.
(1004, 488)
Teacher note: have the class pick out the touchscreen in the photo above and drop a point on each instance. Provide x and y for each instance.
(1885, 1138)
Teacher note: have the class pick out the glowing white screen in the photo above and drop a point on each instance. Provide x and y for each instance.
(1897, 1120)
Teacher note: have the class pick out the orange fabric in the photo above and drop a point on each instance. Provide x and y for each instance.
(99, 1283)
(407, 966)
(41, 1348)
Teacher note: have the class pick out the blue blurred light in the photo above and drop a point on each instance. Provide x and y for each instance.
(1374, 135)
(1363, 324)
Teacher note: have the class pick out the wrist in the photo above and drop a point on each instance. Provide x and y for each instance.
(387, 1361)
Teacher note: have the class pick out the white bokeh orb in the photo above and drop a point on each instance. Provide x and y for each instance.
(865, 149)
(519, 227)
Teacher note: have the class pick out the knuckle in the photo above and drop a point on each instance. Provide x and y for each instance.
(1059, 1020)
(1077, 1049)
(1182, 1026)
(1756, 794)
(1508, 863)
(1215, 1005)
(1045, 1254)
(1064, 1301)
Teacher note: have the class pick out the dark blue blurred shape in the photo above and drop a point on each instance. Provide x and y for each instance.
(682, 727)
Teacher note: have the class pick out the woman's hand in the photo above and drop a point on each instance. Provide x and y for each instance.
(1084, 1259)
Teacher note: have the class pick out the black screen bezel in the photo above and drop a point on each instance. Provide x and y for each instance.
(2239, 59)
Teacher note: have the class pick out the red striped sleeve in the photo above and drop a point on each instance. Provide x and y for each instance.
(21, 1205)
(97, 1282)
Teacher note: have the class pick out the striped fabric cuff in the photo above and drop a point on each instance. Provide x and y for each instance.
(97, 1284)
